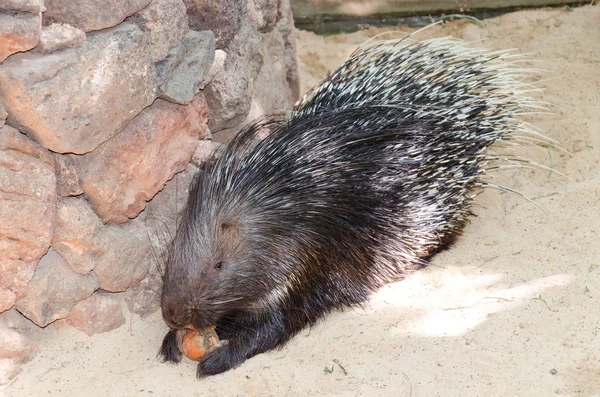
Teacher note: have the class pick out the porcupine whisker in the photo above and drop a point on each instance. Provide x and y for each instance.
(539, 142)
(370, 41)
(226, 301)
(507, 189)
(531, 129)
(530, 162)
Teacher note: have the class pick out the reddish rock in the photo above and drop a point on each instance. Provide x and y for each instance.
(223, 17)
(184, 69)
(15, 347)
(7, 299)
(54, 290)
(28, 196)
(127, 258)
(118, 254)
(89, 15)
(59, 36)
(165, 22)
(14, 344)
(68, 181)
(73, 100)
(99, 313)
(18, 32)
(124, 173)
(231, 90)
(79, 235)
(33, 6)
(263, 13)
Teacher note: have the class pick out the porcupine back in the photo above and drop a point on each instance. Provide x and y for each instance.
(374, 172)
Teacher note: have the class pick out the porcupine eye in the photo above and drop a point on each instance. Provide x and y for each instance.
(218, 265)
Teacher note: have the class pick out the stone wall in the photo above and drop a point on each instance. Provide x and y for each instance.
(105, 110)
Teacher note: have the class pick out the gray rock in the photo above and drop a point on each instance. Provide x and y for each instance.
(186, 66)
(79, 234)
(124, 173)
(163, 212)
(263, 13)
(165, 22)
(223, 17)
(127, 259)
(67, 179)
(28, 196)
(33, 6)
(204, 151)
(215, 68)
(89, 15)
(18, 32)
(3, 115)
(144, 298)
(277, 86)
(54, 290)
(99, 313)
(59, 36)
(74, 100)
(231, 90)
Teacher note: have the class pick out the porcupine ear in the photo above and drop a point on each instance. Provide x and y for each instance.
(231, 233)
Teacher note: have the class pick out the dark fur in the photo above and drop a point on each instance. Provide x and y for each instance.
(333, 202)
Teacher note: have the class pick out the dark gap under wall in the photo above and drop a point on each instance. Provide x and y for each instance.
(327, 19)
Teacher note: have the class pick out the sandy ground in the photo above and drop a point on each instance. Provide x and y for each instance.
(511, 310)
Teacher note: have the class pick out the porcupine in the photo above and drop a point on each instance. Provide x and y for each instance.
(373, 173)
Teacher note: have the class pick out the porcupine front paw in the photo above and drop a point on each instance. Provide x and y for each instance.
(219, 360)
(169, 350)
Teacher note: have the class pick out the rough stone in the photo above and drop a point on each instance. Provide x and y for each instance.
(162, 213)
(215, 68)
(18, 32)
(186, 67)
(99, 313)
(59, 36)
(14, 344)
(127, 258)
(73, 100)
(78, 236)
(33, 6)
(263, 13)
(231, 90)
(54, 290)
(15, 347)
(277, 86)
(68, 181)
(28, 197)
(223, 17)
(89, 15)
(204, 151)
(165, 22)
(144, 298)
(3, 115)
(118, 254)
(124, 173)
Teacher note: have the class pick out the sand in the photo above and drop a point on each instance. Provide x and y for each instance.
(511, 310)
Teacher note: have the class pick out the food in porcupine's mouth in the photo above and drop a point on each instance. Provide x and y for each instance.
(196, 343)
